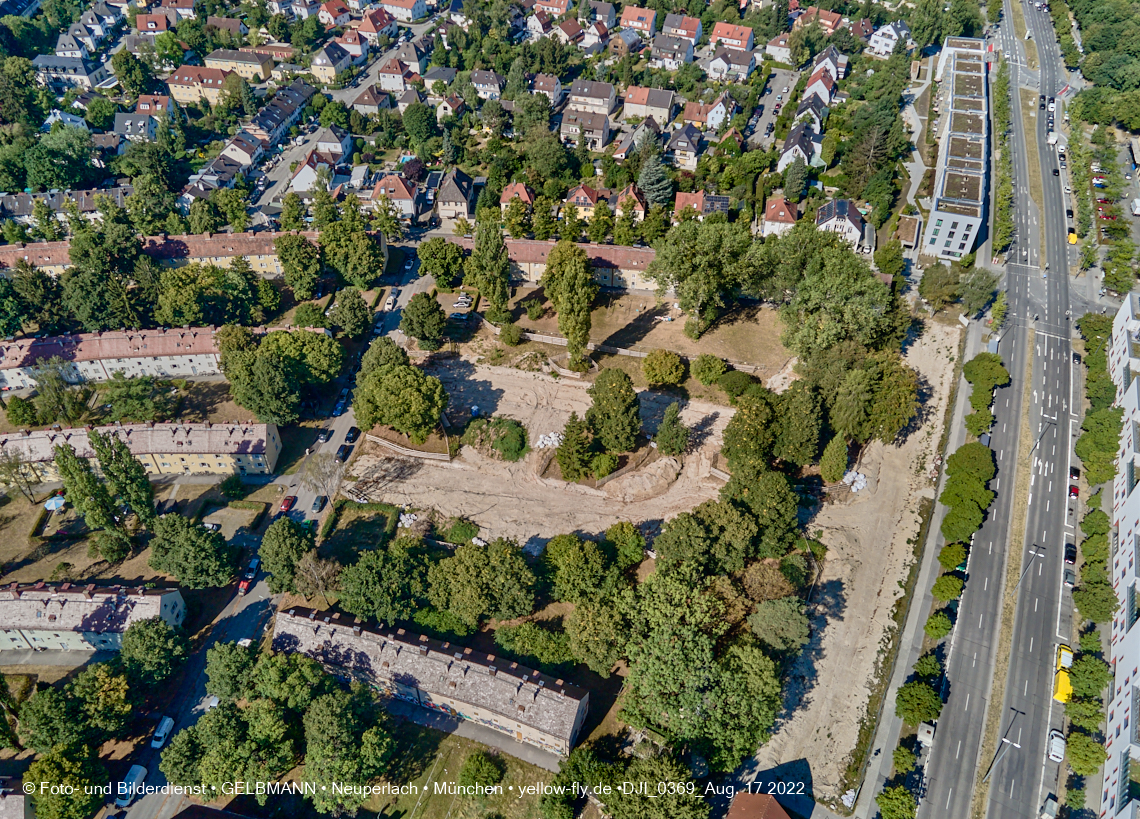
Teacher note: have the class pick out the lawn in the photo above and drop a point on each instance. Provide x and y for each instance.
(359, 528)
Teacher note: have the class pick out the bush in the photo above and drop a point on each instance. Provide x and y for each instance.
(947, 587)
(707, 368)
(938, 625)
(534, 309)
(461, 531)
(603, 464)
(505, 436)
(510, 334)
(232, 487)
(662, 367)
(481, 769)
(734, 383)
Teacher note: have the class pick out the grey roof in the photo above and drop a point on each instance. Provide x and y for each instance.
(814, 104)
(381, 656)
(586, 121)
(667, 46)
(629, 37)
(486, 78)
(734, 56)
(72, 608)
(456, 187)
(593, 90)
(801, 137)
(331, 54)
(14, 205)
(132, 124)
(69, 65)
(409, 53)
(842, 209)
(283, 107)
(439, 73)
(686, 138)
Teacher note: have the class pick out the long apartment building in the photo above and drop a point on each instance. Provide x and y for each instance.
(163, 353)
(528, 706)
(162, 448)
(1119, 797)
(624, 268)
(963, 151)
(173, 251)
(69, 617)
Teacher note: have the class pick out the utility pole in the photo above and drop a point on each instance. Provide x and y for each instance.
(1005, 746)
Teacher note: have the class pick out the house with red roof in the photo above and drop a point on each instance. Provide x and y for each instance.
(736, 37)
(406, 10)
(334, 13)
(584, 199)
(631, 200)
(643, 21)
(780, 216)
(701, 203)
(821, 84)
(829, 21)
(516, 190)
(376, 24)
(399, 191)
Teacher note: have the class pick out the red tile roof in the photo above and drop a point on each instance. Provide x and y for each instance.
(756, 806)
(198, 75)
(696, 201)
(112, 344)
(396, 188)
(517, 189)
(727, 31)
(778, 209)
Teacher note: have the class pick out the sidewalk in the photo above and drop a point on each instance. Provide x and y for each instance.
(910, 646)
(69, 659)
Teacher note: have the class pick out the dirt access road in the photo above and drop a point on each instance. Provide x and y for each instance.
(868, 555)
(509, 500)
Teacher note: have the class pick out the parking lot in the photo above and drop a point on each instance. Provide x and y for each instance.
(757, 126)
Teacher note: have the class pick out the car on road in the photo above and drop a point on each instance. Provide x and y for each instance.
(1056, 172)
(1070, 553)
(162, 732)
(1074, 472)
(319, 504)
(340, 407)
(288, 503)
(323, 437)
(786, 89)
(1074, 491)
(125, 793)
(351, 436)
(1052, 104)
(1056, 746)
(249, 576)
(1070, 578)
(343, 453)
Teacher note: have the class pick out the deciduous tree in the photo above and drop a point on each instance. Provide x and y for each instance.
(284, 544)
(480, 582)
(402, 397)
(424, 320)
(151, 651)
(195, 556)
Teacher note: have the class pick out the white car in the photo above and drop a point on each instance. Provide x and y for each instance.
(1056, 746)
(390, 303)
(125, 793)
(162, 732)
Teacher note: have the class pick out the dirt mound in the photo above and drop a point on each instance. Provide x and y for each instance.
(643, 484)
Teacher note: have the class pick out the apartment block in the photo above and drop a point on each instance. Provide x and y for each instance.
(624, 268)
(963, 157)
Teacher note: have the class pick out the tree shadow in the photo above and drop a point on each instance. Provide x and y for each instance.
(790, 783)
(923, 412)
(634, 331)
(466, 389)
(203, 400)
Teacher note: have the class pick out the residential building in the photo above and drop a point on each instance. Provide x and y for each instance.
(596, 128)
(829, 21)
(333, 141)
(569, 32)
(394, 76)
(154, 104)
(831, 60)
(152, 23)
(583, 199)
(539, 25)
(554, 8)
(439, 73)
(252, 67)
(67, 45)
(862, 29)
(304, 9)
(592, 97)
(736, 37)
(595, 37)
(412, 55)
(549, 86)
(20, 207)
(687, 28)
(623, 268)
(65, 118)
(802, 143)
(400, 192)
(701, 203)
(960, 181)
(748, 805)
(813, 110)
(355, 43)
(329, 61)
(190, 84)
(454, 196)
(779, 50)
(684, 147)
(281, 113)
(780, 216)
(624, 42)
(406, 10)
(334, 13)
(219, 172)
(603, 13)
(710, 116)
(378, 23)
(820, 84)
(73, 617)
(841, 216)
(649, 102)
(516, 190)
(235, 27)
(731, 64)
(457, 14)
(631, 200)
(670, 53)
(883, 41)
(525, 705)
(643, 21)
(106, 147)
(135, 127)
(371, 100)
(647, 129)
(451, 106)
(182, 9)
(245, 149)
(409, 97)
(62, 73)
(488, 84)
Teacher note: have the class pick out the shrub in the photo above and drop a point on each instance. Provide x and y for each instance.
(662, 367)
(511, 441)
(461, 531)
(481, 769)
(510, 334)
(603, 464)
(707, 368)
(947, 587)
(534, 309)
(734, 383)
(232, 487)
(938, 625)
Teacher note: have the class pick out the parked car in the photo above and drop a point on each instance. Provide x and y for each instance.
(162, 732)
(126, 790)
(1074, 491)
(351, 436)
(1070, 553)
(458, 317)
(323, 437)
(343, 453)
(1056, 746)
(250, 575)
(339, 409)
(287, 503)
(319, 504)
(1070, 578)
(1074, 472)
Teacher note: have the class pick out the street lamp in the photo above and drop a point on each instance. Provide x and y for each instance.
(1033, 553)
(1005, 746)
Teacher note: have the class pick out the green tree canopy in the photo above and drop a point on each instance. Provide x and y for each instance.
(480, 582)
(402, 397)
(614, 415)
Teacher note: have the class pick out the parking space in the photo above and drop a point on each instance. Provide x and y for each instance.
(766, 112)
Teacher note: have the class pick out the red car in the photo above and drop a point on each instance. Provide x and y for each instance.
(249, 576)
(287, 504)
(1105, 201)
(1074, 491)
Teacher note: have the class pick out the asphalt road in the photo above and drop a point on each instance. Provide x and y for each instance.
(1022, 776)
(780, 78)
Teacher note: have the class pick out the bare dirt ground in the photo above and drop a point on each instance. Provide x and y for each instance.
(868, 555)
(510, 500)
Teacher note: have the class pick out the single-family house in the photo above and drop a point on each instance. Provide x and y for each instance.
(454, 196)
(451, 106)
(62, 73)
(596, 128)
(687, 28)
(670, 53)
(883, 41)
(65, 118)
(730, 36)
(834, 62)
(649, 102)
(244, 148)
(539, 25)
(596, 35)
(549, 86)
(409, 97)
(829, 21)
(333, 141)
(413, 55)
(820, 84)
(304, 9)
(439, 73)
(406, 10)
(516, 190)
(394, 76)
(569, 32)
(135, 127)
(632, 201)
(841, 216)
(183, 9)
(154, 104)
(684, 147)
(234, 26)
(603, 13)
(779, 50)
(732, 64)
(624, 42)
(802, 143)
(488, 84)
(400, 192)
(309, 170)
(67, 45)
(701, 203)
(780, 216)
(592, 97)
(329, 61)
(152, 23)
(378, 23)
(709, 116)
(334, 13)
(583, 199)
(862, 29)
(371, 100)
(555, 8)
(355, 44)
(458, 14)
(647, 129)
(643, 21)
(814, 111)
